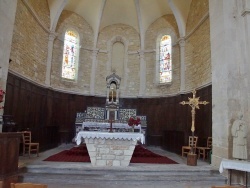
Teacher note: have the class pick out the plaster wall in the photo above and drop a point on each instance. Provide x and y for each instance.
(7, 18)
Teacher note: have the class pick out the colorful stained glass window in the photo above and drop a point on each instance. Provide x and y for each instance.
(165, 71)
(70, 55)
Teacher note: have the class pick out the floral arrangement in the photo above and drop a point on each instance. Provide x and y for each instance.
(134, 121)
(2, 93)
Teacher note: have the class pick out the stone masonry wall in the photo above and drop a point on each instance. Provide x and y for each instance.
(110, 152)
(130, 82)
(41, 8)
(66, 21)
(29, 45)
(197, 47)
(164, 25)
(198, 9)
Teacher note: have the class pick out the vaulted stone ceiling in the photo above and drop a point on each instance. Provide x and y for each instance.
(137, 13)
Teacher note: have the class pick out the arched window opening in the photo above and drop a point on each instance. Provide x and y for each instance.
(165, 58)
(70, 55)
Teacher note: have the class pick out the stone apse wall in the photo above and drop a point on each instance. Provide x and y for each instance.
(30, 42)
(29, 55)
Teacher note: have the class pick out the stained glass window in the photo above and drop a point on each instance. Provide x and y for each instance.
(70, 55)
(165, 71)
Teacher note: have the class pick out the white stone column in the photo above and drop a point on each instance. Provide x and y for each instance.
(245, 13)
(228, 42)
(7, 20)
(52, 37)
(107, 99)
(142, 74)
(117, 95)
(93, 71)
(183, 66)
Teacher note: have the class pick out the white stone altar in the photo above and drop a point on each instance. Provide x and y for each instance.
(110, 149)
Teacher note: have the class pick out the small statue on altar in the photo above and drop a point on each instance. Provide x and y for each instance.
(112, 93)
(239, 133)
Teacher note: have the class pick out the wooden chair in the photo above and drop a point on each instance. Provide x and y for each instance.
(187, 149)
(27, 185)
(29, 146)
(203, 151)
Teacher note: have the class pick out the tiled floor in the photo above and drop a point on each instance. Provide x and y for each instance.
(135, 175)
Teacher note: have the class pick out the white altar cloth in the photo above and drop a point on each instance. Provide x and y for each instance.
(89, 124)
(104, 135)
(234, 165)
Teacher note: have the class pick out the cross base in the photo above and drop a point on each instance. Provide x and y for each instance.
(192, 159)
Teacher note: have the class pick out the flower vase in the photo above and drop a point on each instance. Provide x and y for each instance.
(132, 128)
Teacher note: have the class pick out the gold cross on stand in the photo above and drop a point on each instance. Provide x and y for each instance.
(194, 103)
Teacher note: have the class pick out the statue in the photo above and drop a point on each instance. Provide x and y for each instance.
(239, 133)
(112, 100)
(112, 93)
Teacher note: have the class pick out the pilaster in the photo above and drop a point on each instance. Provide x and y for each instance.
(7, 20)
(229, 41)
(142, 73)
(183, 66)
(93, 71)
(52, 37)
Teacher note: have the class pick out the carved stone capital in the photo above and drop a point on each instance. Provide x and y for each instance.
(95, 52)
(141, 54)
(52, 36)
(182, 42)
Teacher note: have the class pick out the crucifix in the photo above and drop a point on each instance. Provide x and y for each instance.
(111, 120)
(194, 103)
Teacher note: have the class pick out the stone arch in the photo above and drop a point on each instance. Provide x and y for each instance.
(110, 44)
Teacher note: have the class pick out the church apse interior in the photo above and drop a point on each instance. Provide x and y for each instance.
(62, 52)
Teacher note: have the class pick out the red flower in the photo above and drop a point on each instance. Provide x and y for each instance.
(2, 92)
(132, 121)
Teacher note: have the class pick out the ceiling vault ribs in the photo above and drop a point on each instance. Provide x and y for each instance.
(96, 32)
(139, 19)
(56, 7)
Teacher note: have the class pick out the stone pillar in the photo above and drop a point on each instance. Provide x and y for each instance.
(142, 74)
(117, 95)
(107, 99)
(246, 18)
(52, 37)
(7, 20)
(93, 71)
(183, 66)
(230, 72)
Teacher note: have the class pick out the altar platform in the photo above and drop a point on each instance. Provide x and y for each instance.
(79, 174)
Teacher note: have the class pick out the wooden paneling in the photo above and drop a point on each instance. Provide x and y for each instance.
(37, 108)
(173, 141)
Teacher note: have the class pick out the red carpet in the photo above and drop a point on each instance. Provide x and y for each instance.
(80, 154)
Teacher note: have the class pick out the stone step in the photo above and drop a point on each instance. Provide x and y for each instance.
(46, 174)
